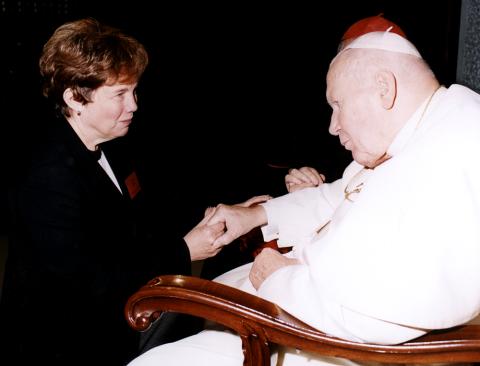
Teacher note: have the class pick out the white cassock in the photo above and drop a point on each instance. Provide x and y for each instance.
(399, 257)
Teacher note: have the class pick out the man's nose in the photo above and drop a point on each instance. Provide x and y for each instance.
(334, 126)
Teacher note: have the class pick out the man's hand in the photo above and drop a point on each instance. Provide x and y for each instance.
(297, 179)
(237, 220)
(254, 200)
(267, 262)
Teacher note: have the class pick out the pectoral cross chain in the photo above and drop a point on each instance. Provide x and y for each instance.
(347, 193)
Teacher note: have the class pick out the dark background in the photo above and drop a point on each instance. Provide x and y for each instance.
(232, 89)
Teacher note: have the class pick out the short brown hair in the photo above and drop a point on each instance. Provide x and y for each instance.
(84, 55)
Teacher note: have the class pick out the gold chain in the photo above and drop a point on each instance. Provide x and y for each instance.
(358, 187)
(347, 193)
(426, 106)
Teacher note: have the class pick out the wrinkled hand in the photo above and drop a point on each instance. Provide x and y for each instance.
(254, 200)
(201, 238)
(304, 177)
(267, 262)
(237, 220)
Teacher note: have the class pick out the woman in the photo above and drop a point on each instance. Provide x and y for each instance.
(80, 242)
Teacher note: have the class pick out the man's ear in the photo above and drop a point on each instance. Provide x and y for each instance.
(387, 87)
(70, 101)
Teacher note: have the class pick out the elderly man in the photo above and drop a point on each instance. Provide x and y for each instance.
(307, 176)
(392, 249)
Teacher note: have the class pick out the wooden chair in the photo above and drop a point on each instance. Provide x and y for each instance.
(261, 323)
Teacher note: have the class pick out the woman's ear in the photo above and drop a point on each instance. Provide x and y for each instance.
(70, 101)
(387, 87)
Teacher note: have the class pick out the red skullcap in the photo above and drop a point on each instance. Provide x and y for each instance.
(372, 24)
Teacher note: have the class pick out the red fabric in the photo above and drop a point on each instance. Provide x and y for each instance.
(252, 243)
(371, 24)
(270, 244)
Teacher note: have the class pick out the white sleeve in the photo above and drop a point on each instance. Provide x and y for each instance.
(296, 217)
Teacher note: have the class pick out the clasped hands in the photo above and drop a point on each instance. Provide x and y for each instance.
(239, 219)
(224, 223)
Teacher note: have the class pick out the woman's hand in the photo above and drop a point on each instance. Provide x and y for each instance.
(200, 239)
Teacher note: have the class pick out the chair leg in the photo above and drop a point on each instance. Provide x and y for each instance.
(256, 349)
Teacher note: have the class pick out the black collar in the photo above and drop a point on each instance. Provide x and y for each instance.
(96, 154)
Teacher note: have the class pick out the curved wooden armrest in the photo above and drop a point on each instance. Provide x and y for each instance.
(261, 323)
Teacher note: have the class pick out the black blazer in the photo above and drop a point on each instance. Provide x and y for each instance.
(78, 249)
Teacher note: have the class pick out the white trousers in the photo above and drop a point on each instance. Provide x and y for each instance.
(223, 348)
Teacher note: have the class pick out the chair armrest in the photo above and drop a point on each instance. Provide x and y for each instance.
(261, 323)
